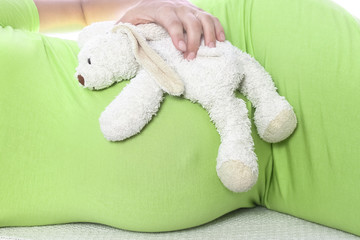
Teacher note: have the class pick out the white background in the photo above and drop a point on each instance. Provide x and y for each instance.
(353, 6)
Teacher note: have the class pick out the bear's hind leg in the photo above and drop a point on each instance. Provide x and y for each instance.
(236, 162)
(274, 117)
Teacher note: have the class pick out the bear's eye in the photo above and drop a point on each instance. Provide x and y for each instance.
(89, 61)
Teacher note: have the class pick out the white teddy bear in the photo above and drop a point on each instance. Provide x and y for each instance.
(145, 54)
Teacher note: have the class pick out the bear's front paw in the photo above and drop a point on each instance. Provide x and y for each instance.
(275, 120)
(118, 126)
(236, 176)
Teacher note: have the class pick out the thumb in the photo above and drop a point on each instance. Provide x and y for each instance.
(134, 17)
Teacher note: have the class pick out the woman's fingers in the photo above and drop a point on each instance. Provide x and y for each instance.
(178, 17)
(219, 30)
(208, 26)
(171, 22)
(194, 30)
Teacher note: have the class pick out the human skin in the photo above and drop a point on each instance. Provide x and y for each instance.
(185, 22)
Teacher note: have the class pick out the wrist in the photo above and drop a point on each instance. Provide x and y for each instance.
(106, 10)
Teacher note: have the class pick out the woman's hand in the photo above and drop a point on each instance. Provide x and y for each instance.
(178, 17)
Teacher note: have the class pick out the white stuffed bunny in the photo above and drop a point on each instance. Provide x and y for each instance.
(146, 55)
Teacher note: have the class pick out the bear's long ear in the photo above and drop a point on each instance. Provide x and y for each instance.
(167, 79)
(93, 30)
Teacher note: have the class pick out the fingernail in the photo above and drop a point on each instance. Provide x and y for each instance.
(190, 56)
(222, 36)
(182, 45)
(211, 44)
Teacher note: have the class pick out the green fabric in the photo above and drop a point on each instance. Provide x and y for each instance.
(19, 14)
(56, 167)
(312, 50)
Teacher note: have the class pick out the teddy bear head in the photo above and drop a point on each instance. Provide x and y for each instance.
(111, 53)
(104, 57)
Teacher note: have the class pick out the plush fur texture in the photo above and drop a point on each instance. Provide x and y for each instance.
(107, 56)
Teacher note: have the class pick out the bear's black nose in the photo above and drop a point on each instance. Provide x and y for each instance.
(81, 80)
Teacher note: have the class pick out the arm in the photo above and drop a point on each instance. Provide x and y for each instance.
(55, 14)
(176, 16)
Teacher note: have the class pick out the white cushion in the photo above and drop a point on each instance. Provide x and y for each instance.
(256, 223)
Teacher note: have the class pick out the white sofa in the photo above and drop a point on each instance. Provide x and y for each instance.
(256, 223)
